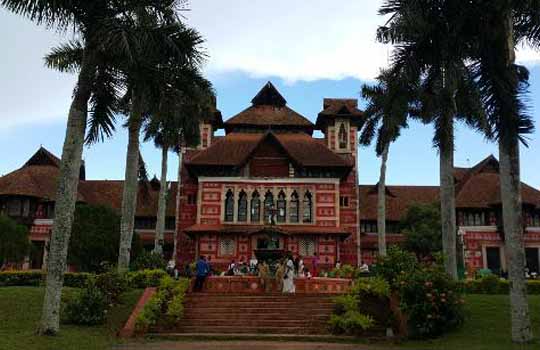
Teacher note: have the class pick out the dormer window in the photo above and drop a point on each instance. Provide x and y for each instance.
(342, 137)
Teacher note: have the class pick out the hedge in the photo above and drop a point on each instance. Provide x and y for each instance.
(494, 285)
(136, 279)
(37, 278)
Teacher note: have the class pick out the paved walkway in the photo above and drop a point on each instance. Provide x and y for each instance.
(242, 345)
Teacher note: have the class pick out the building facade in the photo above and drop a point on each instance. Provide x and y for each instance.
(267, 186)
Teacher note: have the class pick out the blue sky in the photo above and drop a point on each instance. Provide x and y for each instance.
(305, 60)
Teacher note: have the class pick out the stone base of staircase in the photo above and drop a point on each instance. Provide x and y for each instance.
(270, 314)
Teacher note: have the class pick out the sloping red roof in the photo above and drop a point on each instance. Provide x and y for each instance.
(252, 229)
(103, 192)
(268, 116)
(398, 200)
(34, 181)
(236, 148)
(269, 109)
(476, 187)
(340, 107)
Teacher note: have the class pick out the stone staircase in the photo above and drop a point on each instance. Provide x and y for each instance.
(300, 314)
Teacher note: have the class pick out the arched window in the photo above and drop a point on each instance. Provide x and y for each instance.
(342, 137)
(281, 207)
(308, 204)
(255, 207)
(242, 206)
(229, 206)
(268, 207)
(294, 207)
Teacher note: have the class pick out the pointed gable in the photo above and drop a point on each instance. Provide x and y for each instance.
(269, 111)
(43, 158)
(269, 96)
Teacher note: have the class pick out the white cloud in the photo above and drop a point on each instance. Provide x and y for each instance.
(30, 93)
(296, 39)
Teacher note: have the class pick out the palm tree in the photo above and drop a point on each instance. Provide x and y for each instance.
(386, 114)
(179, 47)
(185, 97)
(91, 21)
(432, 52)
(494, 30)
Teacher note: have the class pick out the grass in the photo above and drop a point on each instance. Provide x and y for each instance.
(20, 309)
(487, 327)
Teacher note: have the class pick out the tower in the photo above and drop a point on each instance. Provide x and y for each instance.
(340, 121)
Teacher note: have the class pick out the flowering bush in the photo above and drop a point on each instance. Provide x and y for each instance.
(87, 307)
(431, 301)
(396, 263)
(112, 284)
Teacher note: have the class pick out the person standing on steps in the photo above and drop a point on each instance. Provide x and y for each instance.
(315, 264)
(266, 279)
(280, 272)
(288, 277)
(201, 273)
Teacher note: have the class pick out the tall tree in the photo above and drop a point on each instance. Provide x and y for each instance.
(430, 50)
(494, 30)
(386, 115)
(91, 21)
(185, 98)
(179, 48)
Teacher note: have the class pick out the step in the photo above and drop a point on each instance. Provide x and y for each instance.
(247, 317)
(251, 329)
(258, 310)
(253, 323)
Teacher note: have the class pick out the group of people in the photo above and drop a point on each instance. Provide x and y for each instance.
(286, 270)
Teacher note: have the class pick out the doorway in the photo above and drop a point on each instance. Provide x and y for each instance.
(533, 261)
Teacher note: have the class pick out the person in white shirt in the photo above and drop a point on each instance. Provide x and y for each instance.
(364, 268)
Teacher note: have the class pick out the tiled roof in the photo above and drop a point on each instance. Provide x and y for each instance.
(236, 148)
(476, 187)
(340, 107)
(268, 109)
(267, 116)
(398, 200)
(34, 181)
(104, 192)
(253, 229)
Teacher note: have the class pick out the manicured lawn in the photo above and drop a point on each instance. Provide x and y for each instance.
(20, 309)
(487, 327)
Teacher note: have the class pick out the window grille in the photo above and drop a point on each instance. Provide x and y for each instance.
(227, 247)
(306, 246)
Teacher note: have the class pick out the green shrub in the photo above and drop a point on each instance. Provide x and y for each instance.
(431, 300)
(345, 271)
(112, 284)
(350, 323)
(36, 278)
(175, 308)
(77, 279)
(20, 278)
(344, 303)
(396, 263)
(168, 301)
(148, 261)
(145, 278)
(87, 307)
(374, 286)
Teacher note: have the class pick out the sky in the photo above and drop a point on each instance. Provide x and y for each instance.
(309, 49)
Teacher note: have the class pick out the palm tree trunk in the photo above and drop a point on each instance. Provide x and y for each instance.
(381, 203)
(162, 203)
(66, 197)
(512, 209)
(178, 206)
(131, 187)
(513, 233)
(448, 198)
